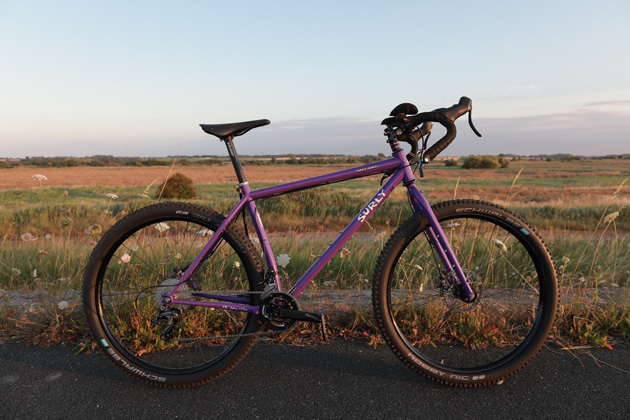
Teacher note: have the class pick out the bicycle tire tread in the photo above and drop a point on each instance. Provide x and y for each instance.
(379, 267)
(214, 217)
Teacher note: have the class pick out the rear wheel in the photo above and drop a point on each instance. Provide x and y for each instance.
(425, 318)
(142, 257)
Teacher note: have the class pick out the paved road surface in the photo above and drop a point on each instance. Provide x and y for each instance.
(342, 380)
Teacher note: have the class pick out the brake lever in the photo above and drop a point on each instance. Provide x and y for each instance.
(471, 123)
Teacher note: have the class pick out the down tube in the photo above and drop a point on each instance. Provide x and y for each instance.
(347, 233)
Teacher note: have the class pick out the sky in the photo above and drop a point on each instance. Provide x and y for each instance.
(136, 78)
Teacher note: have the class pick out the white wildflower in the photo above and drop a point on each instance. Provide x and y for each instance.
(204, 232)
(380, 236)
(344, 252)
(199, 245)
(39, 177)
(134, 248)
(112, 196)
(42, 252)
(27, 237)
(500, 245)
(143, 196)
(125, 258)
(178, 256)
(566, 260)
(62, 279)
(610, 217)
(162, 227)
(283, 260)
(237, 264)
(16, 271)
(35, 273)
(62, 305)
(94, 230)
(254, 239)
(48, 236)
(453, 225)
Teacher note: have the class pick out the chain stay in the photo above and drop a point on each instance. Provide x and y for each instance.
(222, 337)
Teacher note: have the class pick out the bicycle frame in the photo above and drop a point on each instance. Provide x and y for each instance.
(403, 173)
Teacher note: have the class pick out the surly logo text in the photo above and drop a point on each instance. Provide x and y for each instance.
(371, 206)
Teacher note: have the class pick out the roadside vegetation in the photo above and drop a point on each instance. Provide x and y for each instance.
(580, 207)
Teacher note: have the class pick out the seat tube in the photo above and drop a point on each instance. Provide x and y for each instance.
(262, 234)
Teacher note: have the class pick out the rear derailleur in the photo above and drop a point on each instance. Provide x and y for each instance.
(171, 317)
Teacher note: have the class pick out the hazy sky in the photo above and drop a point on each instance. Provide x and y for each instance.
(137, 77)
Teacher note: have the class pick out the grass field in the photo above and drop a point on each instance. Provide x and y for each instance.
(48, 229)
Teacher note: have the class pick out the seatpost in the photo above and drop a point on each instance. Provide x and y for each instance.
(236, 162)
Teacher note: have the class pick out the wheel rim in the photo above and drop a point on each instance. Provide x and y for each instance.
(141, 266)
(444, 331)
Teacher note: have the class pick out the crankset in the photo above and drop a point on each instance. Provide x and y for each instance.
(281, 311)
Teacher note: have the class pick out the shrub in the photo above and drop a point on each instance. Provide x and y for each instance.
(485, 162)
(177, 186)
(450, 162)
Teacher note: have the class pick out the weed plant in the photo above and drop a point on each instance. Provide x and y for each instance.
(47, 234)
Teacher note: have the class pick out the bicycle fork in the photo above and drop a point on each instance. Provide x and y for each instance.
(437, 238)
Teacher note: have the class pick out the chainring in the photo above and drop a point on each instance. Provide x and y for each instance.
(278, 300)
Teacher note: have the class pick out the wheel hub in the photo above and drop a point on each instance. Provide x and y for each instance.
(184, 291)
(454, 295)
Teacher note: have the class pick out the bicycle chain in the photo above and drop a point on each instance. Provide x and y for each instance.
(221, 337)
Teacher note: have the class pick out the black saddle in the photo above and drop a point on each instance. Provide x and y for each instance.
(231, 130)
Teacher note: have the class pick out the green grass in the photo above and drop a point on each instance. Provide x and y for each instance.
(39, 212)
(590, 253)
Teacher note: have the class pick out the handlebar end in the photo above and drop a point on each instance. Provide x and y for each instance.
(456, 111)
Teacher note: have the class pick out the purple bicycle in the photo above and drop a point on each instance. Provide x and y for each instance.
(464, 291)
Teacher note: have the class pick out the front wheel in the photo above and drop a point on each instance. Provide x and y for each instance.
(427, 321)
(142, 258)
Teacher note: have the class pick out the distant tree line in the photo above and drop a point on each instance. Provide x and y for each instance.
(107, 160)
(484, 161)
(315, 160)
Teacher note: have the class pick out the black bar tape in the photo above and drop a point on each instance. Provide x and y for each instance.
(446, 117)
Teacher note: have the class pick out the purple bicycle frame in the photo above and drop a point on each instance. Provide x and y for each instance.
(403, 173)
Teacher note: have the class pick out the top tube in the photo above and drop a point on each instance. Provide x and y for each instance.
(352, 173)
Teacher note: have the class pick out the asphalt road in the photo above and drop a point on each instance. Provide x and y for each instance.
(341, 380)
